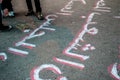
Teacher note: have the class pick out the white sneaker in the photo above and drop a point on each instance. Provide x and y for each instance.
(11, 14)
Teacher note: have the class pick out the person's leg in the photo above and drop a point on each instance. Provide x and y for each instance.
(0, 19)
(29, 5)
(2, 27)
(38, 10)
(3, 4)
(9, 5)
(37, 6)
(10, 8)
(30, 8)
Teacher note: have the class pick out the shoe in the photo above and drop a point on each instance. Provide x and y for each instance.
(11, 14)
(6, 28)
(39, 16)
(30, 13)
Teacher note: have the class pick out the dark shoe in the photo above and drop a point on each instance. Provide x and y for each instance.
(6, 28)
(30, 13)
(40, 16)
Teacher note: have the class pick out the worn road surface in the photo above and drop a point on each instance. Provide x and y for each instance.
(78, 40)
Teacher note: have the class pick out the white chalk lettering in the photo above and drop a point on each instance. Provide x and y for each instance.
(87, 47)
(69, 63)
(68, 7)
(33, 34)
(17, 51)
(118, 17)
(35, 72)
(100, 6)
(79, 38)
(27, 45)
(3, 56)
(113, 71)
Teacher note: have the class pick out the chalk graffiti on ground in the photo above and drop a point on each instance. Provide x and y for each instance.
(35, 72)
(74, 45)
(114, 68)
(113, 71)
(3, 56)
(67, 9)
(35, 33)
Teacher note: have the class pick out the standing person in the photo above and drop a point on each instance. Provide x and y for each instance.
(7, 4)
(2, 27)
(38, 9)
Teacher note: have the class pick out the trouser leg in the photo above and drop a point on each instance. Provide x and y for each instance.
(7, 4)
(3, 4)
(29, 5)
(38, 6)
(0, 17)
(10, 7)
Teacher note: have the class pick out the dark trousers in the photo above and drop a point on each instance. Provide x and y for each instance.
(37, 5)
(7, 4)
(0, 17)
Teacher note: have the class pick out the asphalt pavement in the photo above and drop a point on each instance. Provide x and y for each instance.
(78, 40)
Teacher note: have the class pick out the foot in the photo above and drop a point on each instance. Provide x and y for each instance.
(30, 13)
(40, 16)
(11, 14)
(5, 28)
